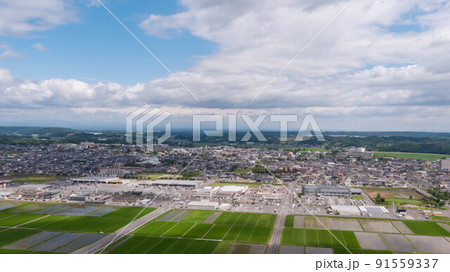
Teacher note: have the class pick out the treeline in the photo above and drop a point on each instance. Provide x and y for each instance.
(394, 144)
(414, 142)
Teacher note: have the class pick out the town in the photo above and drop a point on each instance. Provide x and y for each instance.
(225, 177)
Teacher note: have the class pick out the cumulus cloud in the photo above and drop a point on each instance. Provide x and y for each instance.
(6, 52)
(20, 18)
(361, 73)
(39, 46)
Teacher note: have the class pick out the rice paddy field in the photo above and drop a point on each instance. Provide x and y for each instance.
(202, 232)
(64, 228)
(59, 228)
(363, 235)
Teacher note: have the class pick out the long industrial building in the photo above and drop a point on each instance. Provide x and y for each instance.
(173, 182)
(326, 190)
(369, 211)
(99, 180)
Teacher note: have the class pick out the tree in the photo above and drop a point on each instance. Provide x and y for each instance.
(378, 199)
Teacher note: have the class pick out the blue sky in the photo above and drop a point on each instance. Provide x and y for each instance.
(380, 65)
(97, 48)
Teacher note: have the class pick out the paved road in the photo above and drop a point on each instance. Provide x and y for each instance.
(367, 199)
(285, 205)
(119, 234)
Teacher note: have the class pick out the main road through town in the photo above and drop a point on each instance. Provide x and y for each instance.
(285, 205)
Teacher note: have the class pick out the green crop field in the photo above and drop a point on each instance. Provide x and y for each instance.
(107, 223)
(342, 250)
(35, 178)
(289, 222)
(416, 156)
(11, 220)
(248, 234)
(323, 238)
(5, 215)
(155, 176)
(179, 229)
(198, 231)
(239, 227)
(245, 219)
(44, 221)
(400, 202)
(228, 228)
(319, 238)
(159, 245)
(217, 232)
(12, 235)
(20, 222)
(426, 228)
(197, 216)
(155, 228)
(27, 207)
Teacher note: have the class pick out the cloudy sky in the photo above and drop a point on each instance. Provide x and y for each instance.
(371, 65)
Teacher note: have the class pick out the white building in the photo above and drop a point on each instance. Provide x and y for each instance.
(374, 211)
(203, 205)
(232, 189)
(206, 192)
(345, 209)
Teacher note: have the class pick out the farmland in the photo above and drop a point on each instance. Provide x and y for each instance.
(182, 231)
(53, 228)
(426, 228)
(40, 228)
(158, 245)
(107, 223)
(398, 196)
(34, 178)
(319, 238)
(362, 235)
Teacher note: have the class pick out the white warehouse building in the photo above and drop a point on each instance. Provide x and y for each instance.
(203, 205)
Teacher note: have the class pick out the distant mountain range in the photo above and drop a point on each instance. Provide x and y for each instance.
(416, 142)
(62, 131)
(28, 131)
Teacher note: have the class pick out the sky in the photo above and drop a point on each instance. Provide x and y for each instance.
(358, 65)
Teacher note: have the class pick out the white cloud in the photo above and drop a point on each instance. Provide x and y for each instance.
(357, 75)
(40, 47)
(6, 52)
(18, 18)
(5, 75)
(366, 108)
